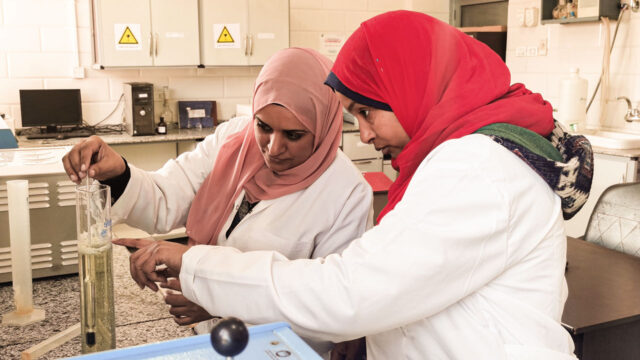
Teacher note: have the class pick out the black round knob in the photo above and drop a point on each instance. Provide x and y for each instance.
(229, 336)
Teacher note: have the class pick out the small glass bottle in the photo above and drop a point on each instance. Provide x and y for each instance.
(166, 113)
(162, 126)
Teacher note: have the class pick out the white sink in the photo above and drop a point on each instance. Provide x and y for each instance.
(612, 139)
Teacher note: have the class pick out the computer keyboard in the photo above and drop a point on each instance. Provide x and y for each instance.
(61, 135)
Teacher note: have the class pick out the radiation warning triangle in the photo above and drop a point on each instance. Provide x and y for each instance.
(128, 38)
(225, 36)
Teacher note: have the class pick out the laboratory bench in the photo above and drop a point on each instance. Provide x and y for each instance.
(141, 315)
(148, 152)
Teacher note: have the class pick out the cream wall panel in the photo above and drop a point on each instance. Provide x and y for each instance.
(40, 65)
(317, 20)
(90, 89)
(208, 88)
(58, 39)
(38, 12)
(306, 4)
(227, 107)
(3, 65)
(93, 112)
(238, 86)
(345, 4)
(19, 39)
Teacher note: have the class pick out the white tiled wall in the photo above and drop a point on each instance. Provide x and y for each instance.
(580, 45)
(37, 51)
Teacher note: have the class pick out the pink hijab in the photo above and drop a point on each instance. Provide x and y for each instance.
(293, 78)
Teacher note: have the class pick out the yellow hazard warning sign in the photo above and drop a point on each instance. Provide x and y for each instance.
(128, 37)
(225, 36)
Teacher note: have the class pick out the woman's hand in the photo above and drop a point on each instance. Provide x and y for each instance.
(184, 311)
(146, 263)
(94, 157)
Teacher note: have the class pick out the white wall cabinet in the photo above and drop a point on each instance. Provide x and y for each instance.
(242, 32)
(146, 33)
(608, 170)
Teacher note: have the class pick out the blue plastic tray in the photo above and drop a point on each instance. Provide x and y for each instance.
(269, 341)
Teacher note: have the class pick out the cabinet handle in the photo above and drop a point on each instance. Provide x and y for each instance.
(251, 45)
(155, 44)
(150, 44)
(246, 45)
(363, 162)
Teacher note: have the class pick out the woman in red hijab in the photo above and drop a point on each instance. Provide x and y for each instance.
(467, 260)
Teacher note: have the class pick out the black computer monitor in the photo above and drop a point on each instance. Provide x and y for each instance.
(51, 109)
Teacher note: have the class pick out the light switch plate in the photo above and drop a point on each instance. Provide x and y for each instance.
(521, 51)
(532, 51)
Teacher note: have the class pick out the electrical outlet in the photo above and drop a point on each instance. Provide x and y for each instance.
(542, 47)
(521, 51)
(532, 51)
(78, 72)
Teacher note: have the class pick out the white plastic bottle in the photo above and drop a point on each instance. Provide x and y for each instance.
(572, 110)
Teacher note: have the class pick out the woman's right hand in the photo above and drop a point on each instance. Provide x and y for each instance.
(95, 157)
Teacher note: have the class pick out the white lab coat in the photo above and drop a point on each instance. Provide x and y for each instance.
(469, 265)
(314, 222)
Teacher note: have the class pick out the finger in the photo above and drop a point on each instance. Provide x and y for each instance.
(73, 175)
(173, 284)
(179, 311)
(133, 243)
(145, 267)
(184, 320)
(138, 266)
(91, 147)
(177, 300)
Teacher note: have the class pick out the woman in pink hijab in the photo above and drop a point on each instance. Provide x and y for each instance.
(277, 181)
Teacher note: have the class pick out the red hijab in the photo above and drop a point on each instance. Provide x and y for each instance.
(440, 83)
(292, 78)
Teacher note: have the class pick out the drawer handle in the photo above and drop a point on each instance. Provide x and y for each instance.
(364, 162)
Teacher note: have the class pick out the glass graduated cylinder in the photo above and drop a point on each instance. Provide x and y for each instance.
(93, 219)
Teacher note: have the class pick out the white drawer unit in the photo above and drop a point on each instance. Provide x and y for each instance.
(368, 165)
(357, 150)
(388, 170)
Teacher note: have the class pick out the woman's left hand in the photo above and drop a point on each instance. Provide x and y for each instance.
(184, 311)
(151, 254)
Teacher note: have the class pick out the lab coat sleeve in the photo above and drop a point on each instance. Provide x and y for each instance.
(444, 240)
(159, 201)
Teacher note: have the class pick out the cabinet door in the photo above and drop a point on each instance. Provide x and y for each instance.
(223, 32)
(607, 170)
(268, 29)
(175, 32)
(123, 32)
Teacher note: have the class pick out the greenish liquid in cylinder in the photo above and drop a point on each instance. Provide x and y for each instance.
(97, 318)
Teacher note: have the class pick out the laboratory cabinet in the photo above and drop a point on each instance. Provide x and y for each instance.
(608, 170)
(133, 33)
(364, 156)
(242, 32)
